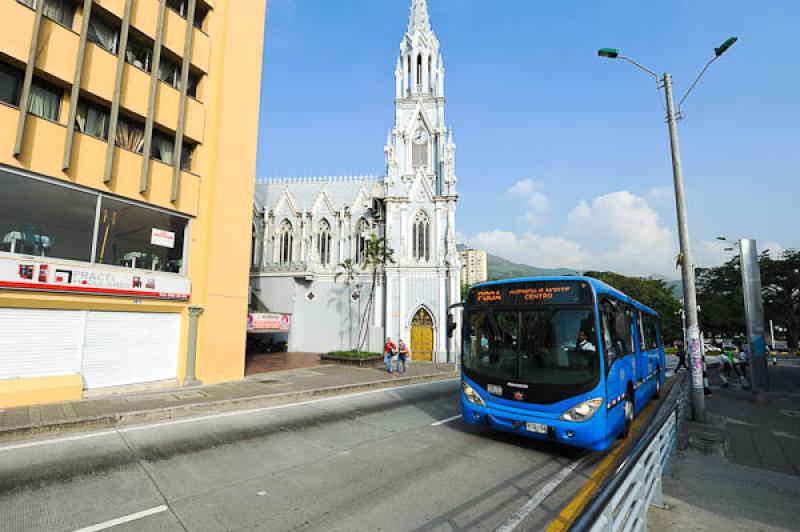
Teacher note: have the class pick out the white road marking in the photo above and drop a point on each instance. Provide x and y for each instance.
(539, 498)
(448, 420)
(125, 519)
(196, 419)
(782, 434)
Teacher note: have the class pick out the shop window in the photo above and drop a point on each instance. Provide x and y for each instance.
(169, 71)
(10, 85)
(130, 135)
(42, 219)
(92, 119)
(103, 32)
(137, 237)
(60, 11)
(139, 51)
(44, 100)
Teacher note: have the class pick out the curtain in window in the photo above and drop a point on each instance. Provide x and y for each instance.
(44, 102)
(92, 120)
(103, 35)
(138, 53)
(165, 147)
(168, 71)
(61, 11)
(130, 136)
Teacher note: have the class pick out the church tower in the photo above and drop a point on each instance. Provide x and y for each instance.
(421, 191)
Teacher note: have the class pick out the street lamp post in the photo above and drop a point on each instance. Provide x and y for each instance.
(692, 328)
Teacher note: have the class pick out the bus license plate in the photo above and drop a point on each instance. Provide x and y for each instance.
(538, 428)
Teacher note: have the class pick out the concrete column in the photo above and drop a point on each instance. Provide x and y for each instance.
(191, 350)
(441, 322)
(425, 77)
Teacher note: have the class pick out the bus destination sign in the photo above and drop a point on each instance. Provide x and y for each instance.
(533, 293)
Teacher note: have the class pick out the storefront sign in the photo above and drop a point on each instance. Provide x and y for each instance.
(160, 237)
(267, 322)
(43, 274)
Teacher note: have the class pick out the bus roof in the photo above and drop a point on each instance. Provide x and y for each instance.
(597, 285)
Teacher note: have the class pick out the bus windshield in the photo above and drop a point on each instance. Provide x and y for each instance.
(545, 346)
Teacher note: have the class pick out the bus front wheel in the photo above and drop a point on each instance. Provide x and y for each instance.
(629, 411)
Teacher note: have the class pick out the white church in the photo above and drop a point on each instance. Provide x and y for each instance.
(305, 228)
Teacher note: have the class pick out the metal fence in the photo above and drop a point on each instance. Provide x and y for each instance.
(622, 501)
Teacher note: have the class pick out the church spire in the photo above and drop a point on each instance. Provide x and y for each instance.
(419, 20)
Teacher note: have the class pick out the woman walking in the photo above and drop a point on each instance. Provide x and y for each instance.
(402, 355)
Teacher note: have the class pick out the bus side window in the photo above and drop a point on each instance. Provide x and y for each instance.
(644, 332)
(611, 344)
(623, 323)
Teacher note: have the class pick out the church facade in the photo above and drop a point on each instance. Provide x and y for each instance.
(305, 230)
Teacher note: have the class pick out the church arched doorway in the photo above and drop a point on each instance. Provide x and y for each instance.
(422, 336)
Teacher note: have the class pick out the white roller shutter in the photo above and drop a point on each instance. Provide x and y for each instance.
(35, 343)
(130, 347)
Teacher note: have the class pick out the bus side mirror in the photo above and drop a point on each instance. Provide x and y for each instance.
(451, 325)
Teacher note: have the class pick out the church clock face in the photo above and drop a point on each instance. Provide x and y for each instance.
(420, 136)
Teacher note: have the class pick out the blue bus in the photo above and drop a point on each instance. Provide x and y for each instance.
(565, 359)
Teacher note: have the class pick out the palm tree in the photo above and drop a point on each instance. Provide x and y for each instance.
(377, 255)
(348, 270)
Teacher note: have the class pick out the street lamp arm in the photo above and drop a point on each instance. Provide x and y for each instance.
(634, 63)
(680, 103)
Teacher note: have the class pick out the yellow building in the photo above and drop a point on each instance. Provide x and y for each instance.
(128, 134)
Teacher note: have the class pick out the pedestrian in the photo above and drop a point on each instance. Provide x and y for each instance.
(388, 352)
(681, 358)
(402, 356)
(742, 363)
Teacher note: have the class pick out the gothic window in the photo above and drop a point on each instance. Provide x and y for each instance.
(286, 241)
(408, 77)
(421, 237)
(419, 73)
(430, 75)
(324, 241)
(362, 237)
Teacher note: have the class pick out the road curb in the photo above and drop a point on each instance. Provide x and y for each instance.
(109, 421)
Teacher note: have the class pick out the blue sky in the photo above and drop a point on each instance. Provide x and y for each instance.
(563, 157)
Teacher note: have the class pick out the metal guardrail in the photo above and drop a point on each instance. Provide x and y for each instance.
(622, 500)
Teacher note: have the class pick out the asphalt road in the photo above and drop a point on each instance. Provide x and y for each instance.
(388, 460)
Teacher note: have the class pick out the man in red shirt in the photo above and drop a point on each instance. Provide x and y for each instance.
(388, 352)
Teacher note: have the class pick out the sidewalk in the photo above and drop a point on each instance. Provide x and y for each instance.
(266, 389)
(742, 469)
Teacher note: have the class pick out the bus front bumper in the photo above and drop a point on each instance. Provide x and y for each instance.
(588, 434)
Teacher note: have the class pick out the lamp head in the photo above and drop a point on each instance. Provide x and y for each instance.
(610, 53)
(724, 46)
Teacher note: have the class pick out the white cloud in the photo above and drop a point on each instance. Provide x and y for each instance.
(529, 248)
(617, 231)
(536, 204)
(711, 253)
(775, 249)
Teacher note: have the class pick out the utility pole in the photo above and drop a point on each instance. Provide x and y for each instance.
(693, 342)
(692, 328)
(754, 312)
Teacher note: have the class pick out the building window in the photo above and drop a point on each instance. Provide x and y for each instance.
(103, 33)
(362, 240)
(324, 240)
(181, 7)
(139, 51)
(92, 119)
(130, 135)
(187, 153)
(10, 85)
(421, 237)
(169, 71)
(39, 218)
(192, 86)
(60, 11)
(286, 241)
(125, 237)
(163, 147)
(44, 100)
(200, 14)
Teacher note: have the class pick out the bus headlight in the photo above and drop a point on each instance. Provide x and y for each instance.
(471, 395)
(583, 411)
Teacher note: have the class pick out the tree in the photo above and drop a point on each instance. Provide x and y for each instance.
(348, 270)
(655, 293)
(377, 255)
(780, 283)
(720, 298)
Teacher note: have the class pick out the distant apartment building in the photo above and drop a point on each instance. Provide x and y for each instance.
(128, 133)
(474, 267)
